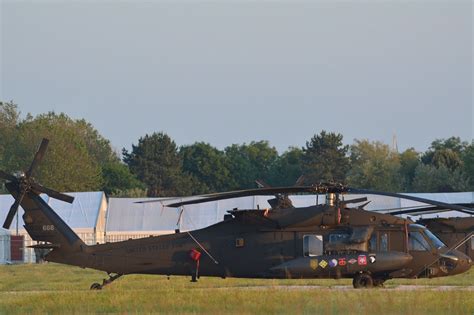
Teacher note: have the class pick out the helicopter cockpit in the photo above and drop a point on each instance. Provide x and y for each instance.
(423, 243)
(421, 239)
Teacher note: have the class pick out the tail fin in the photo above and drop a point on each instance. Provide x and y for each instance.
(43, 224)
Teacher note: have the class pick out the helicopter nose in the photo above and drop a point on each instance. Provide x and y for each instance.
(463, 263)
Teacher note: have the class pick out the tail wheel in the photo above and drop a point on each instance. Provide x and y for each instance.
(363, 280)
(96, 286)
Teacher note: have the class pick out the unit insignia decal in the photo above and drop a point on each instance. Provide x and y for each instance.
(362, 260)
(323, 264)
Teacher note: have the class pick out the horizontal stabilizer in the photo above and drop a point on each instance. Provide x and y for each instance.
(45, 246)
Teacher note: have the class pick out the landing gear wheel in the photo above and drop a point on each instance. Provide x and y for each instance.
(112, 278)
(96, 286)
(363, 280)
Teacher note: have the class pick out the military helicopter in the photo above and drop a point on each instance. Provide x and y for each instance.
(330, 240)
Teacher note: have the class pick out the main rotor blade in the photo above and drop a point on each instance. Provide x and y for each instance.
(423, 200)
(357, 200)
(8, 177)
(261, 183)
(423, 209)
(244, 193)
(320, 188)
(12, 212)
(53, 193)
(38, 157)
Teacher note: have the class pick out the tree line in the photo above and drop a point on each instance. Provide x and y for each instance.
(80, 159)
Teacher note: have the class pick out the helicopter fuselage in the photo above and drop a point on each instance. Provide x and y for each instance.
(312, 242)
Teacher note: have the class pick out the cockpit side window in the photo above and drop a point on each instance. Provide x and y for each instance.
(417, 242)
(373, 242)
(384, 241)
(312, 245)
(338, 237)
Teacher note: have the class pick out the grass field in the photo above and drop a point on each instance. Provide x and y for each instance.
(53, 288)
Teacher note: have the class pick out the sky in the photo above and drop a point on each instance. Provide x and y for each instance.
(229, 72)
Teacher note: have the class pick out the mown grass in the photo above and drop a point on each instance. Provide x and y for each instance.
(52, 288)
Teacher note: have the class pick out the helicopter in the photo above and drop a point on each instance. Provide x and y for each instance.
(330, 240)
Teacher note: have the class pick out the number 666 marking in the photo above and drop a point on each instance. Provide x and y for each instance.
(48, 227)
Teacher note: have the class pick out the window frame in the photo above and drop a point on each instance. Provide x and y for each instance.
(307, 249)
(345, 236)
(426, 249)
(380, 238)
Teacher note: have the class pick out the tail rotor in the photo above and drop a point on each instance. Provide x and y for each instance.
(25, 183)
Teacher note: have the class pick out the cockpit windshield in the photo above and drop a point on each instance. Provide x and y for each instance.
(419, 242)
(437, 243)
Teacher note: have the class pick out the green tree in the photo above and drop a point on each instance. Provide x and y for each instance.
(68, 164)
(409, 161)
(9, 118)
(155, 162)
(97, 146)
(429, 178)
(118, 181)
(374, 166)
(445, 152)
(468, 162)
(443, 169)
(287, 168)
(75, 158)
(248, 162)
(325, 158)
(208, 166)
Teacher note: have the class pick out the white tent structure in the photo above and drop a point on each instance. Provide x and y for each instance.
(4, 246)
(127, 219)
(86, 216)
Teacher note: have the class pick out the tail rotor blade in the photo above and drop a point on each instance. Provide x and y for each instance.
(38, 157)
(52, 193)
(12, 212)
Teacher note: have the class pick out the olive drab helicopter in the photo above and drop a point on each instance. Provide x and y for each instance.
(327, 240)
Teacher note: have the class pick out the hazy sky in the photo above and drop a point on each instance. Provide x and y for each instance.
(231, 71)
